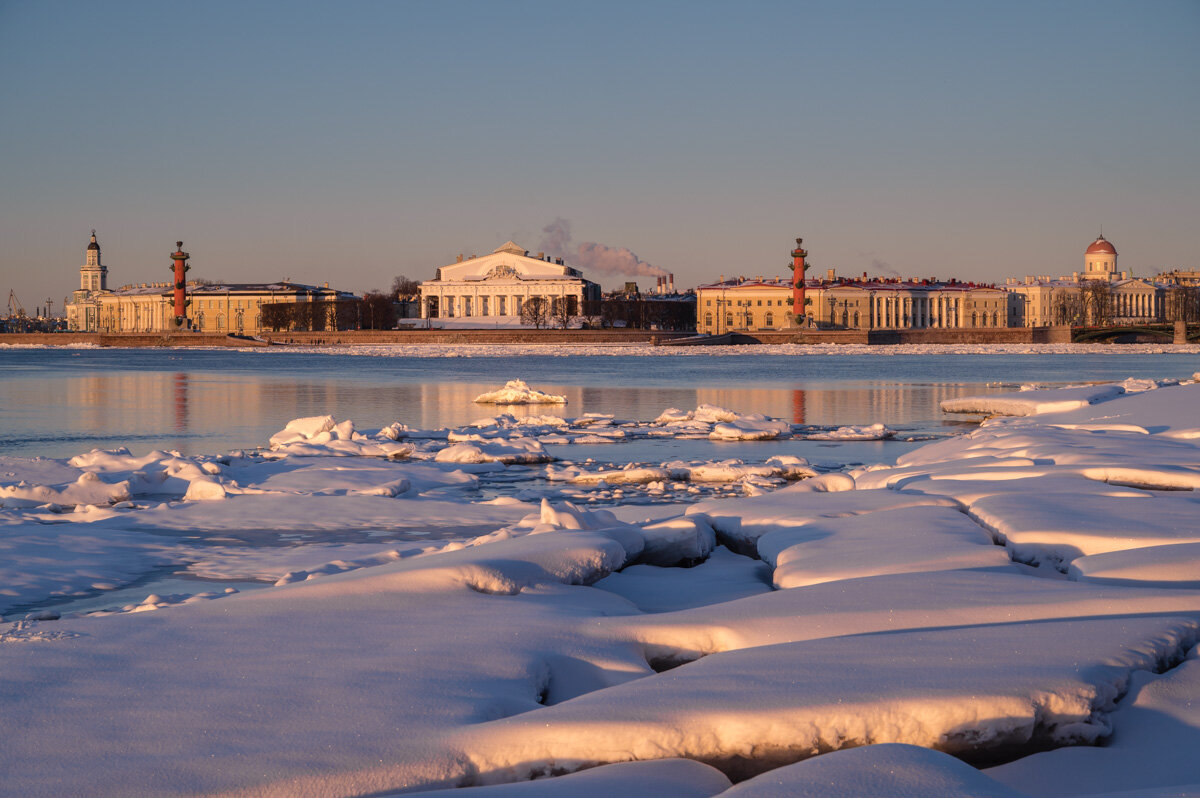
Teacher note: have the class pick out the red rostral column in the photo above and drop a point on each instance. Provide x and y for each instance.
(181, 268)
(798, 267)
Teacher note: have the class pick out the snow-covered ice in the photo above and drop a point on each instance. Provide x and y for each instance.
(516, 392)
(1033, 584)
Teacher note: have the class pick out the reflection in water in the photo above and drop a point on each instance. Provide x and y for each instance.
(197, 412)
(59, 403)
(181, 403)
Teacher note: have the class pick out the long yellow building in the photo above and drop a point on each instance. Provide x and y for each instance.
(742, 304)
(148, 307)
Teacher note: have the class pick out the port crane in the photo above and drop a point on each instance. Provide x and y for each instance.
(15, 308)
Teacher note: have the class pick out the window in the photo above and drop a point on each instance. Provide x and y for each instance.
(728, 320)
(708, 320)
(769, 319)
(760, 303)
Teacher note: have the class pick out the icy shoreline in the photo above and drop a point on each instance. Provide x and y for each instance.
(1017, 588)
(648, 350)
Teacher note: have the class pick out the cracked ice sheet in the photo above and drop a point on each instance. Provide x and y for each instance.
(1035, 402)
(1156, 733)
(307, 688)
(342, 476)
(889, 769)
(724, 576)
(906, 540)
(741, 522)
(1175, 565)
(893, 602)
(1059, 527)
(958, 690)
(250, 516)
(1168, 412)
(43, 561)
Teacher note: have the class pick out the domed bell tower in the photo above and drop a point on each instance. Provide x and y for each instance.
(93, 275)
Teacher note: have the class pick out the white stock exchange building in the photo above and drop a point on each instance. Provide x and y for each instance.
(500, 283)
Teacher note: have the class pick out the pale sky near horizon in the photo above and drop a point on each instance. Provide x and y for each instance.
(351, 142)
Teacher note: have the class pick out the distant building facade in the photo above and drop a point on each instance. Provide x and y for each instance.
(500, 283)
(148, 307)
(1100, 294)
(742, 304)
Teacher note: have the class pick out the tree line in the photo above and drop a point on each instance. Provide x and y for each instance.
(375, 310)
(1095, 303)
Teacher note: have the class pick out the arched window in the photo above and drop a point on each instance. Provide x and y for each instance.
(995, 318)
(728, 320)
(708, 320)
(220, 321)
(845, 318)
(856, 319)
(769, 319)
(974, 319)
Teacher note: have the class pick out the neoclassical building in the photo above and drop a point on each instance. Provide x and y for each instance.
(148, 307)
(500, 283)
(741, 304)
(1042, 301)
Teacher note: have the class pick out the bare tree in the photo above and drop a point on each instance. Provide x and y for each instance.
(1097, 301)
(1066, 305)
(376, 311)
(402, 287)
(535, 312)
(1182, 303)
(564, 311)
(592, 313)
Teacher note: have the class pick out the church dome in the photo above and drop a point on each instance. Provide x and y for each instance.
(1101, 246)
(93, 245)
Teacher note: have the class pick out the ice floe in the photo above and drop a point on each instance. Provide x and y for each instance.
(516, 392)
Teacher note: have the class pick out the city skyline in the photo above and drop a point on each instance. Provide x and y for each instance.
(356, 143)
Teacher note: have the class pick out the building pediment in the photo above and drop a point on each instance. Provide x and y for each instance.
(502, 271)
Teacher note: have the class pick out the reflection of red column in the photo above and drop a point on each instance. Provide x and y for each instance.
(180, 258)
(797, 406)
(798, 267)
(181, 402)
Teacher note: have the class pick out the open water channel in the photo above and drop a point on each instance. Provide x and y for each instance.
(61, 402)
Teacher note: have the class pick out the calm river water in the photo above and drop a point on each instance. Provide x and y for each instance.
(60, 402)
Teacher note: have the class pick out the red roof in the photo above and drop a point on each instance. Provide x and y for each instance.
(1101, 246)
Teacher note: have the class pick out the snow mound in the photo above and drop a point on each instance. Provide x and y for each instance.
(319, 436)
(872, 432)
(513, 450)
(891, 769)
(516, 392)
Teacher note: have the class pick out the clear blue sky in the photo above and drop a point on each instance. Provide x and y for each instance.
(355, 141)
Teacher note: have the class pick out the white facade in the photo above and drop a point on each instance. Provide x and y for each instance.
(500, 283)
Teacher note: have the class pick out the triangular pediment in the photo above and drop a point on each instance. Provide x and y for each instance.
(511, 248)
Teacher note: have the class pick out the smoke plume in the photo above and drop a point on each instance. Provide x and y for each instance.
(883, 267)
(594, 257)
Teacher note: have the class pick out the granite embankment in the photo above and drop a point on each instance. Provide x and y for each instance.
(1002, 335)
